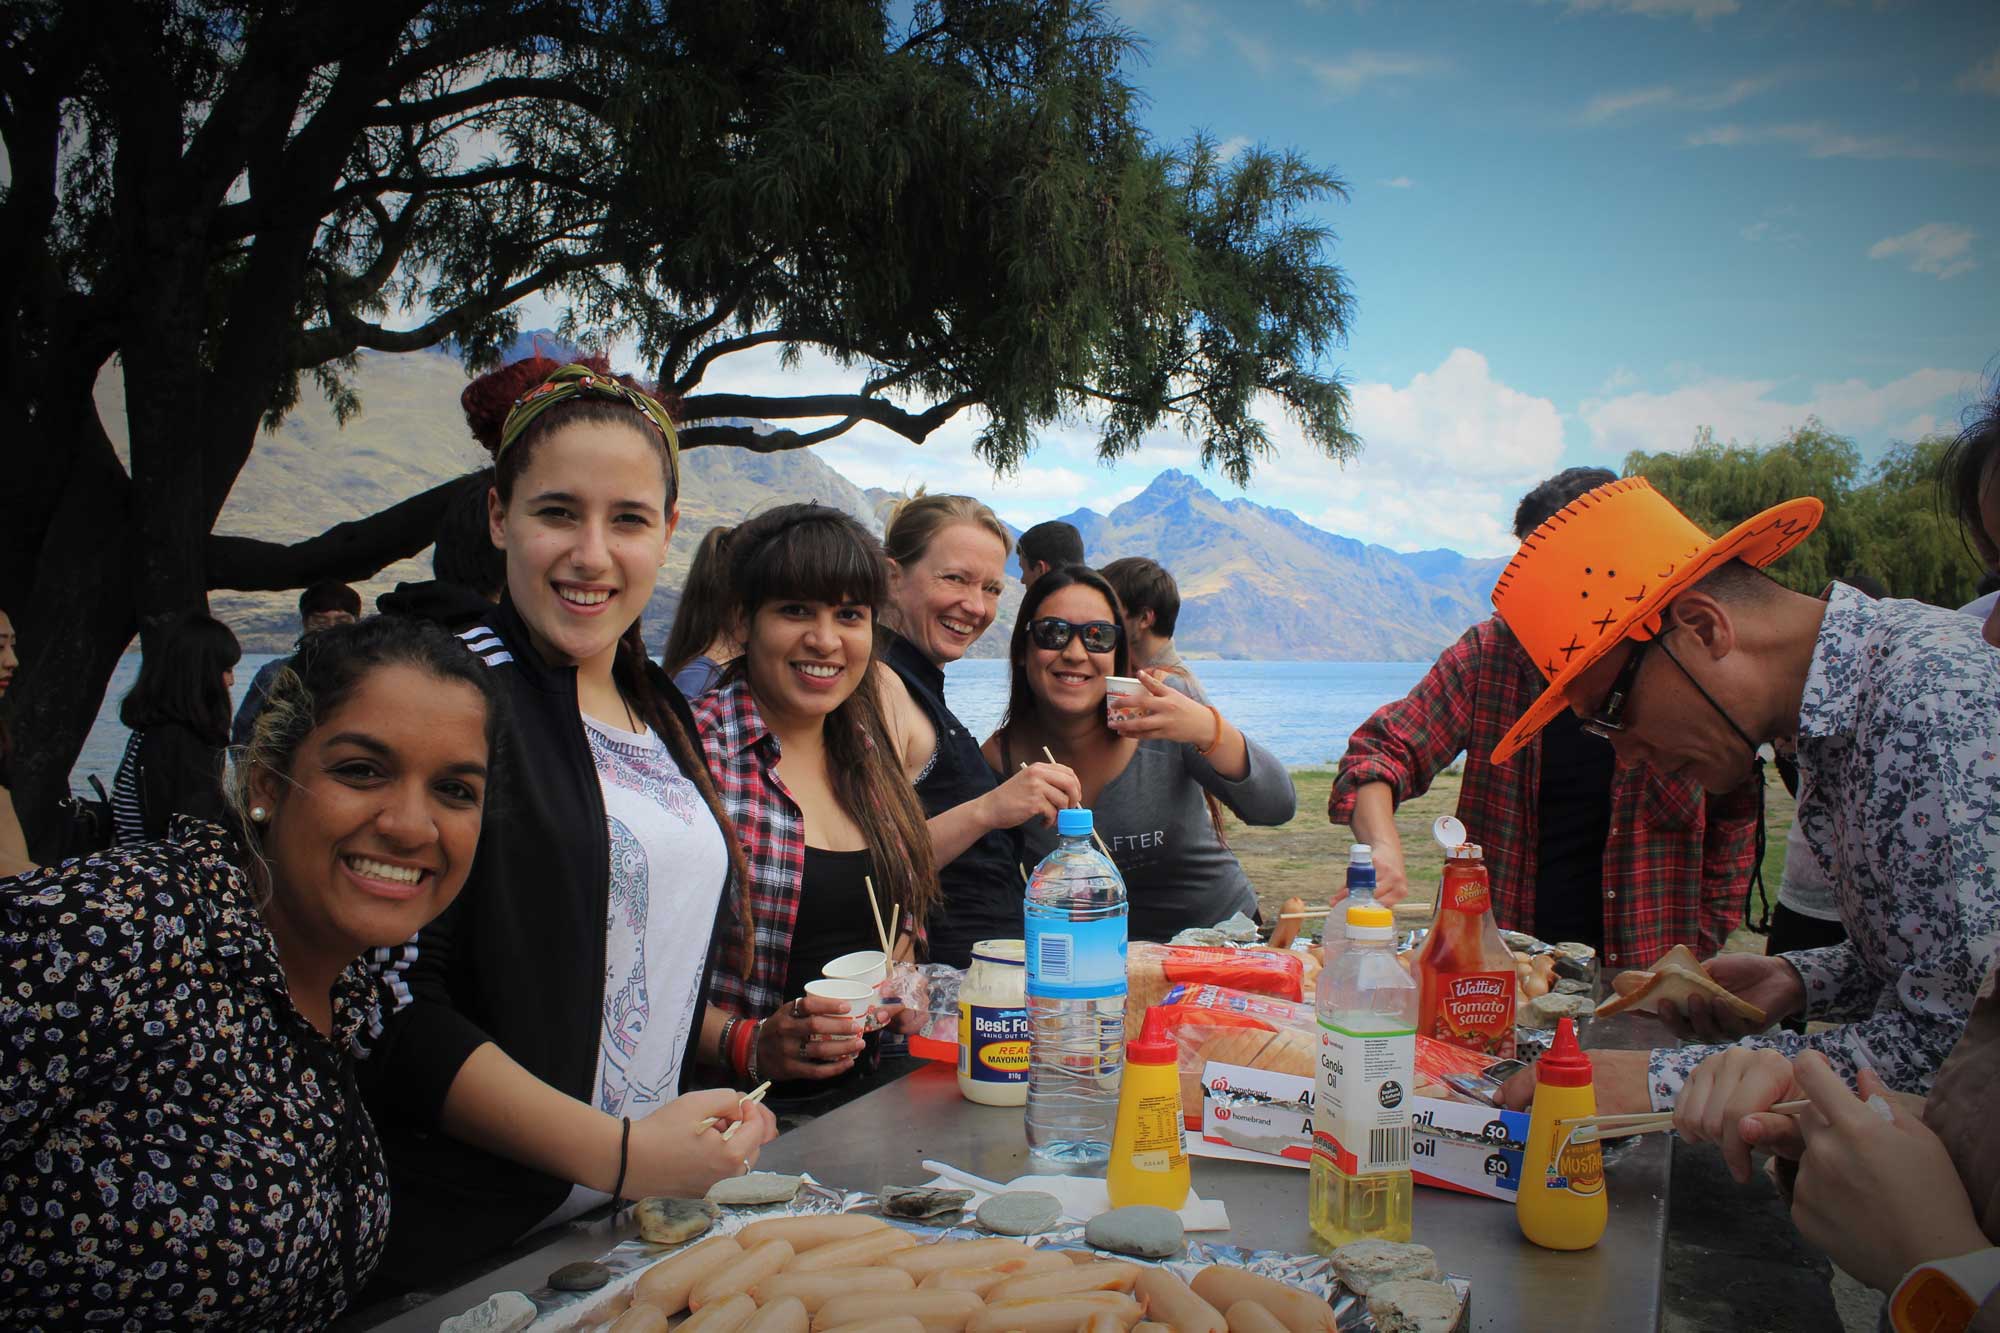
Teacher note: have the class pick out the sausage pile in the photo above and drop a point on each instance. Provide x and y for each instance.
(849, 1272)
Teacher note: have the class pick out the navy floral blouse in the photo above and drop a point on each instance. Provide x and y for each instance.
(179, 1146)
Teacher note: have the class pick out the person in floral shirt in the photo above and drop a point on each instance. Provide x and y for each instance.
(1892, 709)
(181, 1140)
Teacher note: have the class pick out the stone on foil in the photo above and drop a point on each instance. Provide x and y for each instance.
(1364, 1265)
(580, 1277)
(1413, 1306)
(1141, 1230)
(755, 1188)
(508, 1312)
(1020, 1213)
(666, 1221)
(1571, 986)
(921, 1201)
(1544, 1010)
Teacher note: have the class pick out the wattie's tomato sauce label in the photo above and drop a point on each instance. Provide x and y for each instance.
(1475, 1010)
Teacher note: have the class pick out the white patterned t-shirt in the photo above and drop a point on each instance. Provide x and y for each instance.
(668, 863)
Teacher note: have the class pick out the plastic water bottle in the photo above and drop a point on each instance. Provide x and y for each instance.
(1075, 934)
(1360, 1173)
(1360, 893)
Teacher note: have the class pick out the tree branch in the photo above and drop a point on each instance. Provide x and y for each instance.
(358, 549)
(715, 351)
(346, 333)
(670, 360)
(493, 90)
(914, 427)
(761, 442)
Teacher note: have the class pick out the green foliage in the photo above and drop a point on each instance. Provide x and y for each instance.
(1886, 520)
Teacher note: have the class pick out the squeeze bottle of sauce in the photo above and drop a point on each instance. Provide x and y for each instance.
(1148, 1151)
(1465, 972)
(1561, 1204)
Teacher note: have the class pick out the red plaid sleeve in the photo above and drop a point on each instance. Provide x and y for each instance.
(1407, 743)
(742, 756)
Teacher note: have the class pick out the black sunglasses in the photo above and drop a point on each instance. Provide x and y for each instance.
(1052, 635)
(1609, 719)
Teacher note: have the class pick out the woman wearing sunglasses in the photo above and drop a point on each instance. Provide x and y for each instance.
(1143, 777)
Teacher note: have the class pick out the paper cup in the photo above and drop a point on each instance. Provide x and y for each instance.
(857, 996)
(867, 966)
(1119, 692)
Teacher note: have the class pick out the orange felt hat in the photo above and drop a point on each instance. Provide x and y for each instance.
(1603, 569)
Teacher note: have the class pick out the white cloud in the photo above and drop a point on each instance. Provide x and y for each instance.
(1701, 11)
(1355, 71)
(1230, 147)
(1817, 139)
(1983, 77)
(1609, 106)
(1750, 411)
(1938, 248)
(1400, 183)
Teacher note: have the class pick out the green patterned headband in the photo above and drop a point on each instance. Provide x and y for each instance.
(574, 381)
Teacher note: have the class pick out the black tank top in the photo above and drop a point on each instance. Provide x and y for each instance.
(980, 890)
(834, 917)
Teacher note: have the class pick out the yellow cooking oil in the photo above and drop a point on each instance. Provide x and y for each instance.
(1360, 1185)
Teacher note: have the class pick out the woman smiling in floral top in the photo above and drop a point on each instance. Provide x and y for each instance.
(180, 1138)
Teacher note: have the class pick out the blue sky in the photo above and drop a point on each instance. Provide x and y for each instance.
(1577, 229)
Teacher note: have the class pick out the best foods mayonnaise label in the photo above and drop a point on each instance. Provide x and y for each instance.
(992, 1043)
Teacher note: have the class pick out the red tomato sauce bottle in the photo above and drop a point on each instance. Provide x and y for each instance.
(1465, 972)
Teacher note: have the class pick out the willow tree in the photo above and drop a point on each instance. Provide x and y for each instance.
(234, 201)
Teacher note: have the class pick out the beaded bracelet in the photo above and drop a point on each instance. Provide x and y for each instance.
(722, 1056)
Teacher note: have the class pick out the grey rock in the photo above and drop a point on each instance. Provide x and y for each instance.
(580, 1277)
(1571, 986)
(1364, 1265)
(1544, 1010)
(1143, 1231)
(921, 1202)
(666, 1221)
(755, 1188)
(1414, 1307)
(1020, 1213)
(507, 1312)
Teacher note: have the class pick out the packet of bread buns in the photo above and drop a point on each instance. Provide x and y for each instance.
(1152, 969)
(1675, 978)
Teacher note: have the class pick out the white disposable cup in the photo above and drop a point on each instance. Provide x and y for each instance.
(1119, 691)
(867, 966)
(857, 996)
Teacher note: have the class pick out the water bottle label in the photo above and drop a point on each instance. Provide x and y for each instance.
(1074, 960)
(1361, 1116)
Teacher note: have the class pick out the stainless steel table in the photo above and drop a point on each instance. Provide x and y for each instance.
(881, 1139)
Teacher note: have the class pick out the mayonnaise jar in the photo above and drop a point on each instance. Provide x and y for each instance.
(993, 1025)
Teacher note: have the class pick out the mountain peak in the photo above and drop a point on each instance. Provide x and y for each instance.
(1172, 484)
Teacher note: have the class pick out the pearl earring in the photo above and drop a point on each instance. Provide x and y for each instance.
(258, 814)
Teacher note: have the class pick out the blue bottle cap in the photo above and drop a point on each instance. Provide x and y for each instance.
(1073, 823)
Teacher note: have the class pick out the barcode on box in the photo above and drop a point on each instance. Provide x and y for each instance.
(1389, 1147)
(1053, 962)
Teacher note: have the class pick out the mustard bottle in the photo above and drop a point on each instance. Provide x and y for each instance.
(1561, 1204)
(1148, 1153)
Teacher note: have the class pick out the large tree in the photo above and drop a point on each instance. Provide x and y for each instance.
(233, 201)
(1886, 520)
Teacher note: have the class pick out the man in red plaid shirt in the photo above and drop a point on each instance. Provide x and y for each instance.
(1628, 860)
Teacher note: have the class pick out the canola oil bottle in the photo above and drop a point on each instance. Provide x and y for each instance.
(1360, 1178)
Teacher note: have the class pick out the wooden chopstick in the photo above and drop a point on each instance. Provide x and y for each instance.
(1301, 916)
(1094, 835)
(755, 1095)
(876, 908)
(1596, 1128)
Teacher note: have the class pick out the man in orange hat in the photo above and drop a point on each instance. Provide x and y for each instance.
(1626, 861)
(1678, 650)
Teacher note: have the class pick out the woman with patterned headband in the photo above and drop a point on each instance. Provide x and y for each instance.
(538, 1037)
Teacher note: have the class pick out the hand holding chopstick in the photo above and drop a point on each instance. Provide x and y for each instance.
(754, 1095)
(1095, 837)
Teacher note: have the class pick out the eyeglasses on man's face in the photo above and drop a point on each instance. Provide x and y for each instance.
(1609, 719)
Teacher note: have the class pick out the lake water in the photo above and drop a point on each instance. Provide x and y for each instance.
(1301, 711)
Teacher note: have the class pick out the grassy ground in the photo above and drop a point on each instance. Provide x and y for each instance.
(1307, 858)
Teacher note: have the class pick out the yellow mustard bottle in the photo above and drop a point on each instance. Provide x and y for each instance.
(1148, 1151)
(1561, 1204)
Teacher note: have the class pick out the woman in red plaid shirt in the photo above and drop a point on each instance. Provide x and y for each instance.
(813, 784)
(1627, 860)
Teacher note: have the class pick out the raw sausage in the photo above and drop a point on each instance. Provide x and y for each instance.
(1222, 1286)
(901, 1323)
(816, 1289)
(934, 1258)
(667, 1283)
(727, 1316)
(855, 1252)
(1087, 1277)
(982, 1280)
(1250, 1317)
(640, 1319)
(1168, 1300)
(783, 1316)
(1059, 1314)
(940, 1311)
(741, 1273)
(809, 1233)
